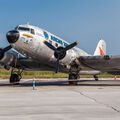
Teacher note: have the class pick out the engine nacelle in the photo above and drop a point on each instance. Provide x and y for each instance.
(70, 56)
(7, 60)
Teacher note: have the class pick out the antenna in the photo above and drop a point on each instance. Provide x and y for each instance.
(100, 37)
(27, 22)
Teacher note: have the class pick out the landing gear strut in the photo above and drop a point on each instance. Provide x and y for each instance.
(95, 77)
(15, 76)
(73, 78)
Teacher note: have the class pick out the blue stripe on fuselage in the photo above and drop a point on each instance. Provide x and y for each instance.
(59, 41)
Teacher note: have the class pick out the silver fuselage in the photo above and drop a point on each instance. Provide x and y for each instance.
(32, 46)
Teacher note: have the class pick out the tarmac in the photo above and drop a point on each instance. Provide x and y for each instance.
(54, 99)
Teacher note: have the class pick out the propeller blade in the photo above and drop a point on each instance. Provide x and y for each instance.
(2, 51)
(70, 46)
(57, 65)
(60, 52)
(49, 45)
(7, 48)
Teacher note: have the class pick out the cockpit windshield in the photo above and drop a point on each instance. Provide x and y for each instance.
(23, 28)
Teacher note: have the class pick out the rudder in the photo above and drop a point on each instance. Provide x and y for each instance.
(101, 48)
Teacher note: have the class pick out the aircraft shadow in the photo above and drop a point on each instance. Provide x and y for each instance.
(65, 83)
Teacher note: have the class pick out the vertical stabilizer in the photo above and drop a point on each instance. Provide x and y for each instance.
(101, 48)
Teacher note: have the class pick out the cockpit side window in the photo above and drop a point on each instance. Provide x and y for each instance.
(32, 31)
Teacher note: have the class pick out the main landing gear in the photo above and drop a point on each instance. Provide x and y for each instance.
(73, 79)
(95, 77)
(15, 76)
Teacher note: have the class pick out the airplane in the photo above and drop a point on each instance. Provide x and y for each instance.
(33, 48)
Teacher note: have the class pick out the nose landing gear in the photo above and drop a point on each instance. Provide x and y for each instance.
(15, 76)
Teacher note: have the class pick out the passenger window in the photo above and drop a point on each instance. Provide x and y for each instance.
(56, 44)
(50, 42)
(32, 31)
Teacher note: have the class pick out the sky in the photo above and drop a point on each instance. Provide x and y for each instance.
(86, 21)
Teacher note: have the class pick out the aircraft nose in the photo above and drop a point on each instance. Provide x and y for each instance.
(12, 36)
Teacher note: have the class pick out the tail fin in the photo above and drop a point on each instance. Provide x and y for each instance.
(101, 48)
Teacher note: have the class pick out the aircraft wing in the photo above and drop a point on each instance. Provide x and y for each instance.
(30, 64)
(12, 58)
(104, 63)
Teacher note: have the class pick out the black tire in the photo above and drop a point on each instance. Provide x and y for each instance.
(73, 82)
(96, 78)
(14, 79)
(73, 77)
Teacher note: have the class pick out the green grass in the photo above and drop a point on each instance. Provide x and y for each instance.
(47, 74)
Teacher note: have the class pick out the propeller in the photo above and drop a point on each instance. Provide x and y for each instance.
(59, 52)
(57, 65)
(2, 51)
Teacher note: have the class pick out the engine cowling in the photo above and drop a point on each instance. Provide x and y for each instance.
(7, 60)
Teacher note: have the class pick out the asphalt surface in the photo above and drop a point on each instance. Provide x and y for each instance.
(54, 99)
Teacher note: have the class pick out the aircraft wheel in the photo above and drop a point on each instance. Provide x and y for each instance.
(73, 82)
(96, 78)
(14, 79)
(73, 77)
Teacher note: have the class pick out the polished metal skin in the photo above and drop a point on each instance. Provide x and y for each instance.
(34, 54)
(32, 46)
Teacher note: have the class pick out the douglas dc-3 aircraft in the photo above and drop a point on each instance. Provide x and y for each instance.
(39, 50)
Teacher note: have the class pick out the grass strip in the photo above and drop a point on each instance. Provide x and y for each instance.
(48, 74)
